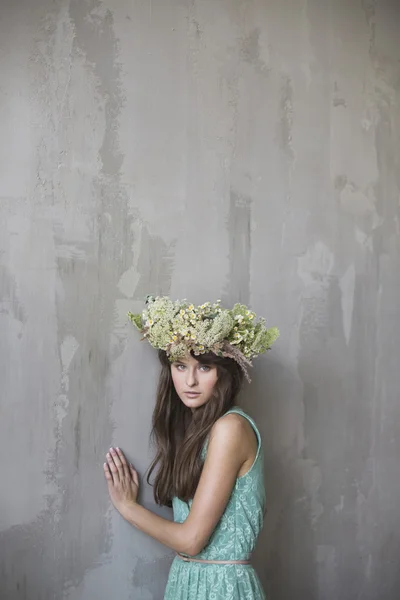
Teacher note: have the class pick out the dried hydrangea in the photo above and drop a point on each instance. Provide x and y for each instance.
(180, 328)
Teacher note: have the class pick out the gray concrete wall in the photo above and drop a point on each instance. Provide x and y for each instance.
(248, 150)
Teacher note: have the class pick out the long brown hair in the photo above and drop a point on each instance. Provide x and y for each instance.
(179, 434)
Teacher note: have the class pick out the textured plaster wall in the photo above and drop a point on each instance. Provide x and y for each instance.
(248, 150)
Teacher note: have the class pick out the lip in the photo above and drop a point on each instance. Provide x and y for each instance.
(192, 394)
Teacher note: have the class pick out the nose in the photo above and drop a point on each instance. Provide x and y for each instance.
(191, 378)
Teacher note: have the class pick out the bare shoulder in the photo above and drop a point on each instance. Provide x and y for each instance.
(235, 430)
(233, 444)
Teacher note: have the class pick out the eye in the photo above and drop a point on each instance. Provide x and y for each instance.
(180, 367)
(205, 368)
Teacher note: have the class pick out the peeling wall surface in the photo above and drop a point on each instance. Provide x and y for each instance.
(247, 150)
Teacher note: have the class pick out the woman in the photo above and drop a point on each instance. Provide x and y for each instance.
(209, 454)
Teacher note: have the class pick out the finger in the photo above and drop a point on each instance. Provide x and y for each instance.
(107, 472)
(124, 462)
(134, 474)
(117, 462)
(113, 468)
(122, 458)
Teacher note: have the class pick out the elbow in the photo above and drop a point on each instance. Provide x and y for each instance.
(194, 545)
(194, 549)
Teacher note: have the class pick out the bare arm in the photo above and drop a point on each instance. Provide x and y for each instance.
(227, 452)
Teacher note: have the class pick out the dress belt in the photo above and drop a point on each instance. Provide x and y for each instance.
(213, 562)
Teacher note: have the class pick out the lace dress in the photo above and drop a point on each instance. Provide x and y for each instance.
(234, 538)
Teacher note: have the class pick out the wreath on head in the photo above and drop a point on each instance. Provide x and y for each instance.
(180, 328)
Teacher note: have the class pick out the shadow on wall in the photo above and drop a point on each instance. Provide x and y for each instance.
(151, 576)
(286, 551)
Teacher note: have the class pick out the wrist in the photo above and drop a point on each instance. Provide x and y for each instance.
(127, 510)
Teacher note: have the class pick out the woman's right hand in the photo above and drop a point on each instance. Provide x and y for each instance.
(122, 480)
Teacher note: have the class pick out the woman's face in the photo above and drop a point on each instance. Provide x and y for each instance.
(194, 383)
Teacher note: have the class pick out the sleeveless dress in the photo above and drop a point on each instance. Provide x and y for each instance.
(234, 538)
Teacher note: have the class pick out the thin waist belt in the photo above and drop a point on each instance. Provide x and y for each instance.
(213, 562)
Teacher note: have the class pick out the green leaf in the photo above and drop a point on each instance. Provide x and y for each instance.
(136, 320)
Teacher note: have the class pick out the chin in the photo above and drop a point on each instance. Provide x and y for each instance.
(193, 403)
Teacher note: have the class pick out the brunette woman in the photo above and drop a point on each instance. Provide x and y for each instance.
(209, 461)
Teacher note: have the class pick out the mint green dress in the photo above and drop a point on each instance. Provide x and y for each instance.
(234, 538)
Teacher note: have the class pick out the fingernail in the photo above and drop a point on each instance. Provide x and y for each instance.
(112, 450)
(118, 450)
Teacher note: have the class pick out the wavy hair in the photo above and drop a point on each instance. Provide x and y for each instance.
(179, 434)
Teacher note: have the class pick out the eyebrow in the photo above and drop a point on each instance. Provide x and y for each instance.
(201, 364)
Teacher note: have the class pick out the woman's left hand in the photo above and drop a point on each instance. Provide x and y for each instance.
(122, 480)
